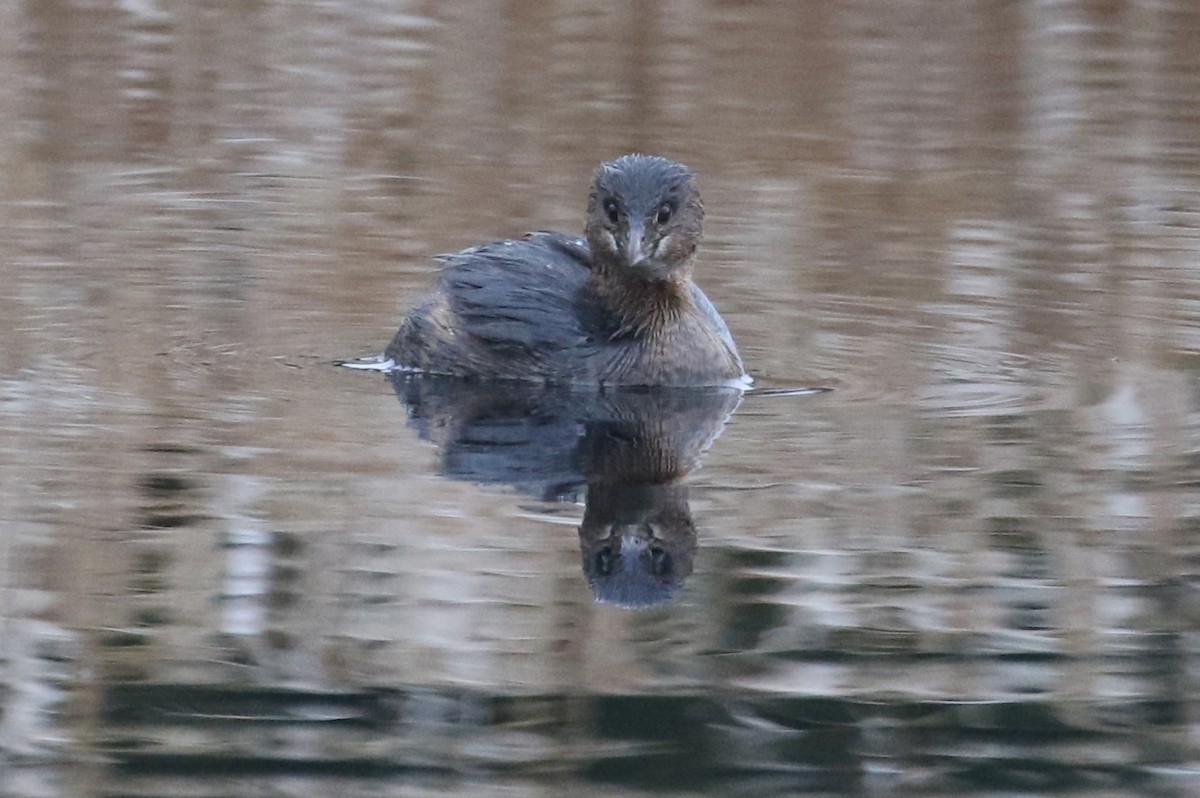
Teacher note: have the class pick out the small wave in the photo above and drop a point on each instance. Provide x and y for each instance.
(373, 363)
(980, 399)
(799, 391)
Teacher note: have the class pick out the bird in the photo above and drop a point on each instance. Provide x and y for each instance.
(616, 307)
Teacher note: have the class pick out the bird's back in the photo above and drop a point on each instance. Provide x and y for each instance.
(526, 310)
(506, 310)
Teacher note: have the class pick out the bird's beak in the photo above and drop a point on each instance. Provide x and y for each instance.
(634, 247)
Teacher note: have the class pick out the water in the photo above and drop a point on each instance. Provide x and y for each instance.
(972, 568)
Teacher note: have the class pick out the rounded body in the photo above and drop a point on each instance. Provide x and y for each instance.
(526, 310)
(617, 307)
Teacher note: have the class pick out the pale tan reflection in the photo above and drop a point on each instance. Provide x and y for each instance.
(624, 453)
(979, 217)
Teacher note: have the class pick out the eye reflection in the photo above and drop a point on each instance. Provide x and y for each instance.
(660, 561)
(605, 559)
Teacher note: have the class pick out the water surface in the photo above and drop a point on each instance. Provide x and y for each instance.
(228, 567)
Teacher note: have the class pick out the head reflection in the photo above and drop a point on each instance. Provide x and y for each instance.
(626, 452)
(638, 541)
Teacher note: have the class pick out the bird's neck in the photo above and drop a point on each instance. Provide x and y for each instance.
(642, 308)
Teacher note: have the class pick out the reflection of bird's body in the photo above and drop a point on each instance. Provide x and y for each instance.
(632, 450)
(618, 307)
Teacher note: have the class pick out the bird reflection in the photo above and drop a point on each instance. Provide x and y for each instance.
(624, 453)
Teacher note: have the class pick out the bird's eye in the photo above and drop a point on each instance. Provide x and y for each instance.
(611, 210)
(664, 213)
